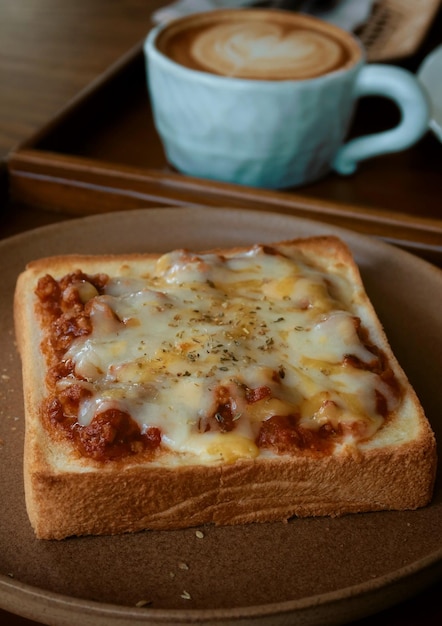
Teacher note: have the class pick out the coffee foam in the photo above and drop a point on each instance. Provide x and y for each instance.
(262, 51)
(264, 45)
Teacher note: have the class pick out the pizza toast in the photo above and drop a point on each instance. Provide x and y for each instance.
(253, 384)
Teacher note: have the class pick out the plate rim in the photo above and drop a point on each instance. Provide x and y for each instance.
(200, 616)
(376, 240)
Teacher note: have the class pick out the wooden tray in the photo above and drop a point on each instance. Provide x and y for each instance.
(102, 153)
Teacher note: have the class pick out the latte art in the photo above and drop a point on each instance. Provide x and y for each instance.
(260, 51)
(254, 44)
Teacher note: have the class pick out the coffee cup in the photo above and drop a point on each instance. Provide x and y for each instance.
(265, 97)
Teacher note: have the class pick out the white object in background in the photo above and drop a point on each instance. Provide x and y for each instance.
(185, 7)
(430, 77)
(347, 14)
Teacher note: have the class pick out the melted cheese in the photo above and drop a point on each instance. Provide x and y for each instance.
(162, 345)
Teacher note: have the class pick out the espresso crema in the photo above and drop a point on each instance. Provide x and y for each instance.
(257, 44)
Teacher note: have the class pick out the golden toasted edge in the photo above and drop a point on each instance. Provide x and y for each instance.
(65, 504)
(90, 502)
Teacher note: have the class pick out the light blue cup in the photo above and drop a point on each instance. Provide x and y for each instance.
(275, 134)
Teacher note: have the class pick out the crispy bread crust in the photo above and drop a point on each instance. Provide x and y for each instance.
(67, 496)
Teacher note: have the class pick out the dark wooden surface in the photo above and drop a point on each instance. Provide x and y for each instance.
(50, 50)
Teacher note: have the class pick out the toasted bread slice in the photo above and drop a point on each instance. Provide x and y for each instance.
(227, 387)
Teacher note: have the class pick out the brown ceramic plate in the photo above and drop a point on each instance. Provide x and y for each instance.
(310, 571)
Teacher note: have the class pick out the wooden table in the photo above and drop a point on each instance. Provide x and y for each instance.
(49, 50)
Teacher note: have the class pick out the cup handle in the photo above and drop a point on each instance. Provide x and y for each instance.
(400, 86)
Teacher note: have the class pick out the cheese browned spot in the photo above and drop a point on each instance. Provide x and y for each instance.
(215, 357)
